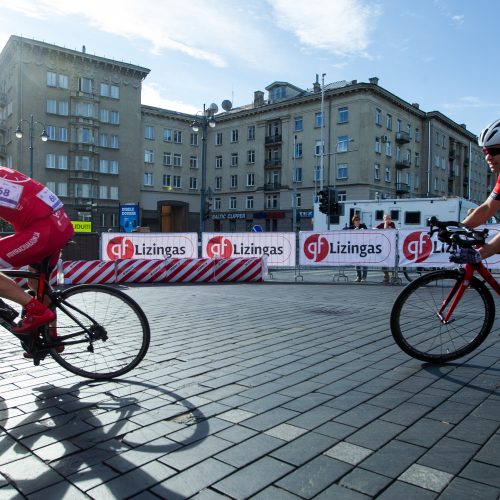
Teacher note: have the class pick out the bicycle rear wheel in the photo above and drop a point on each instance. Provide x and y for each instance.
(121, 332)
(419, 331)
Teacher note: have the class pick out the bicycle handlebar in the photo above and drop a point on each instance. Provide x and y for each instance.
(455, 232)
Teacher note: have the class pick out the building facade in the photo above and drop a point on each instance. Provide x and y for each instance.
(264, 163)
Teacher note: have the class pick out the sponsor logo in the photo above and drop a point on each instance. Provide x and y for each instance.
(219, 246)
(120, 247)
(417, 246)
(316, 247)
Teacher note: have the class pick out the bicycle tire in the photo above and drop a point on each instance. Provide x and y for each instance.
(411, 274)
(126, 326)
(419, 332)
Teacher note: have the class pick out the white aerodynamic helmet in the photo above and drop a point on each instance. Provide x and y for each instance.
(490, 136)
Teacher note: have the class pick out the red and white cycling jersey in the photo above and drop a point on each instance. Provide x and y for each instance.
(23, 200)
(495, 194)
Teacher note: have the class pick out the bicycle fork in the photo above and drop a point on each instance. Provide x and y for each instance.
(454, 296)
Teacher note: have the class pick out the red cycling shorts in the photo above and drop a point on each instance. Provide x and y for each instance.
(30, 245)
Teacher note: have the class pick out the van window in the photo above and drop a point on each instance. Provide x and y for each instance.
(379, 214)
(412, 217)
(395, 214)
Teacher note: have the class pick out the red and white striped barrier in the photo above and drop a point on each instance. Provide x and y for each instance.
(89, 271)
(24, 281)
(189, 271)
(139, 271)
(240, 269)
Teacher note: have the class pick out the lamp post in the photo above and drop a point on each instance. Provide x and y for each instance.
(203, 122)
(19, 134)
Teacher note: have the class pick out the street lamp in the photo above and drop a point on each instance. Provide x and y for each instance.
(19, 134)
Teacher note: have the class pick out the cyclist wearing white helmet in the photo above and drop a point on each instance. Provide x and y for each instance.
(489, 140)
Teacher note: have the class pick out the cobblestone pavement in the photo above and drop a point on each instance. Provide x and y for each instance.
(269, 391)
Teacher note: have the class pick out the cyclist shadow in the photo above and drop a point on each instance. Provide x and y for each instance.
(92, 433)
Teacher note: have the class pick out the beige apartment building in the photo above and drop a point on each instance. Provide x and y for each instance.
(265, 161)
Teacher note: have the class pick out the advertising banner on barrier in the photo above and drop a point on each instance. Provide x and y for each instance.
(417, 249)
(149, 246)
(348, 248)
(278, 247)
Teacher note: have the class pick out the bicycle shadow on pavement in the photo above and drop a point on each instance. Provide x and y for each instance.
(93, 433)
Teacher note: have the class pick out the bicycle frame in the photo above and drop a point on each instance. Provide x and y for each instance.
(458, 290)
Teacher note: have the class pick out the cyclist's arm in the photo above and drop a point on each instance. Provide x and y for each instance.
(491, 248)
(482, 213)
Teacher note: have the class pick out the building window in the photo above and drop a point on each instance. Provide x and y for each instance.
(417, 159)
(51, 79)
(167, 158)
(234, 135)
(114, 167)
(378, 145)
(298, 150)
(51, 132)
(299, 122)
(177, 181)
(318, 148)
(62, 189)
(62, 162)
(251, 132)
(167, 134)
(103, 166)
(388, 122)
(388, 148)
(217, 203)
(251, 180)
(218, 161)
(297, 175)
(149, 155)
(50, 160)
(193, 183)
(318, 120)
(149, 132)
(251, 156)
(167, 180)
(342, 144)
(194, 139)
(218, 139)
(103, 192)
(378, 116)
(63, 134)
(85, 85)
(343, 116)
(387, 174)
(232, 203)
(234, 159)
(272, 201)
(234, 181)
(193, 162)
(218, 182)
(114, 118)
(417, 135)
(148, 178)
(177, 160)
(342, 171)
(51, 106)
(249, 203)
(178, 136)
(376, 172)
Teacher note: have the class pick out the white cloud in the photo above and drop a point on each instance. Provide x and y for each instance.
(341, 27)
(458, 20)
(468, 102)
(151, 95)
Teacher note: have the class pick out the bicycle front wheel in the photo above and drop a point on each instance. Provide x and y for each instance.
(421, 332)
(121, 330)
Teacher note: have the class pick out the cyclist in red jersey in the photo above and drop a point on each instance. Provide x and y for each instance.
(42, 228)
(489, 140)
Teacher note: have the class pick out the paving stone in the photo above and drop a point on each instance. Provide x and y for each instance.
(490, 452)
(407, 491)
(449, 455)
(307, 402)
(474, 429)
(192, 480)
(361, 415)
(375, 434)
(470, 490)
(425, 432)
(488, 409)
(482, 473)
(426, 477)
(394, 458)
(269, 419)
(315, 417)
(236, 433)
(286, 432)
(304, 448)
(313, 477)
(347, 452)
(335, 430)
(236, 415)
(264, 404)
(254, 477)
(336, 491)
(61, 491)
(365, 481)
(349, 400)
(451, 412)
(249, 450)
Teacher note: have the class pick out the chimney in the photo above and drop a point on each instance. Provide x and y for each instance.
(415, 105)
(316, 85)
(374, 80)
(84, 49)
(258, 98)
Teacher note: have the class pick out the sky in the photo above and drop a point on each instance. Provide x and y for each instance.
(438, 53)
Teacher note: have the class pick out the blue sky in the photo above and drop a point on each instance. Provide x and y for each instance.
(439, 53)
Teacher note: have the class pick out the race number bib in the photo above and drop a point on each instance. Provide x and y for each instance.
(10, 194)
(50, 199)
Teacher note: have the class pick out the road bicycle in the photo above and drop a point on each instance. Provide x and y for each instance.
(102, 333)
(446, 314)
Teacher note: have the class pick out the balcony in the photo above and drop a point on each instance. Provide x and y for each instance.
(3, 124)
(402, 137)
(273, 186)
(276, 162)
(402, 188)
(273, 139)
(84, 175)
(452, 154)
(3, 99)
(400, 164)
(82, 147)
(3, 151)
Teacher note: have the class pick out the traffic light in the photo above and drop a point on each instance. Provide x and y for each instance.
(323, 201)
(334, 204)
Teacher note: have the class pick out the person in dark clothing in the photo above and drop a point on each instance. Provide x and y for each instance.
(387, 224)
(361, 271)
